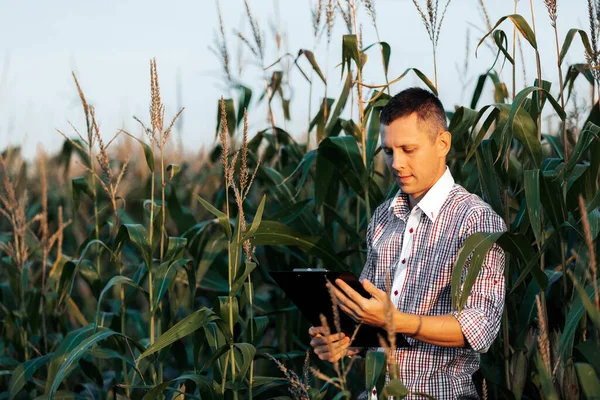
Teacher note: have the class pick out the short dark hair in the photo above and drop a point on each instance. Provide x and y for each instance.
(428, 107)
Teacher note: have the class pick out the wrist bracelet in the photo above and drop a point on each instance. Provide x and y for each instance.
(418, 327)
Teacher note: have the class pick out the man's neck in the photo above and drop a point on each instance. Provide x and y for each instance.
(413, 201)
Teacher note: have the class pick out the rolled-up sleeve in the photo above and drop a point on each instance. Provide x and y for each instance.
(481, 316)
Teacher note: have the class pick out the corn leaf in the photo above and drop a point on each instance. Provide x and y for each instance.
(23, 373)
(344, 154)
(148, 153)
(221, 216)
(478, 243)
(569, 40)
(522, 26)
(116, 280)
(180, 330)
(590, 383)
(137, 235)
(534, 205)
(275, 233)
(74, 355)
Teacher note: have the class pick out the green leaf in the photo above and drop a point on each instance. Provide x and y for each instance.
(419, 74)
(350, 52)
(478, 243)
(313, 62)
(552, 198)
(523, 127)
(555, 143)
(222, 217)
(547, 386)
(334, 125)
(497, 110)
(522, 26)
(183, 328)
(248, 351)
(275, 233)
(148, 153)
(461, 123)
(569, 39)
(80, 185)
(71, 267)
(395, 388)
(23, 373)
(374, 366)
(257, 218)
(183, 218)
(502, 42)
(116, 280)
(229, 310)
(137, 235)
(175, 247)
(74, 355)
(243, 102)
(534, 205)
(572, 322)
(241, 278)
(374, 128)
(500, 90)
(518, 246)
(162, 279)
(172, 171)
(491, 183)
(590, 132)
(344, 154)
(325, 170)
(590, 383)
(590, 307)
(320, 119)
(203, 383)
(590, 352)
(386, 52)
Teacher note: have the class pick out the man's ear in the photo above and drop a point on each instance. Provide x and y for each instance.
(444, 141)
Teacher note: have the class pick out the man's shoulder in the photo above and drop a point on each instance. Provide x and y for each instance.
(472, 207)
(383, 207)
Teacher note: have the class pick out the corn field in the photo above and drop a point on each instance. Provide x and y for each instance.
(129, 272)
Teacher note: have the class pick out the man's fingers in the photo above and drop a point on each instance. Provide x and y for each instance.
(350, 312)
(344, 300)
(349, 292)
(316, 330)
(374, 290)
(332, 352)
(323, 340)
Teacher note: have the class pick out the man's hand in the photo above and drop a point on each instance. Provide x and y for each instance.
(331, 348)
(367, 311)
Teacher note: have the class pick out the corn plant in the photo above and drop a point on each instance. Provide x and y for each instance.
(135, 271)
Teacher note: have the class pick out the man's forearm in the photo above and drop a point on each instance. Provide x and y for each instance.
(440, 330)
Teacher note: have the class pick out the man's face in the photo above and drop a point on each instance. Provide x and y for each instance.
(415, 160)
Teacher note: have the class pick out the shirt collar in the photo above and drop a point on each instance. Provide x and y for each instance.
(430, 204)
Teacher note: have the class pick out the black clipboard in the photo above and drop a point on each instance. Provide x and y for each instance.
(306, 289)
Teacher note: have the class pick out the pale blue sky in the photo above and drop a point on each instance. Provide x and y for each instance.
(109, 44)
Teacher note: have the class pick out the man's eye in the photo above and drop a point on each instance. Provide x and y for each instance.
(387, 150)
(409, 151)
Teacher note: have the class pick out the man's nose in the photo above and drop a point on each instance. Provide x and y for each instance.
(399, 162)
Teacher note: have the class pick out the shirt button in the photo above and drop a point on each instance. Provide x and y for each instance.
(411, 230)
(404, 261)
(374, 391)
(395, 293)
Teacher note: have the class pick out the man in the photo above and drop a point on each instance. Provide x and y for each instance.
(414, 239)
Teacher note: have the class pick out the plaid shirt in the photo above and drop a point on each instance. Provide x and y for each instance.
(434, 231)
